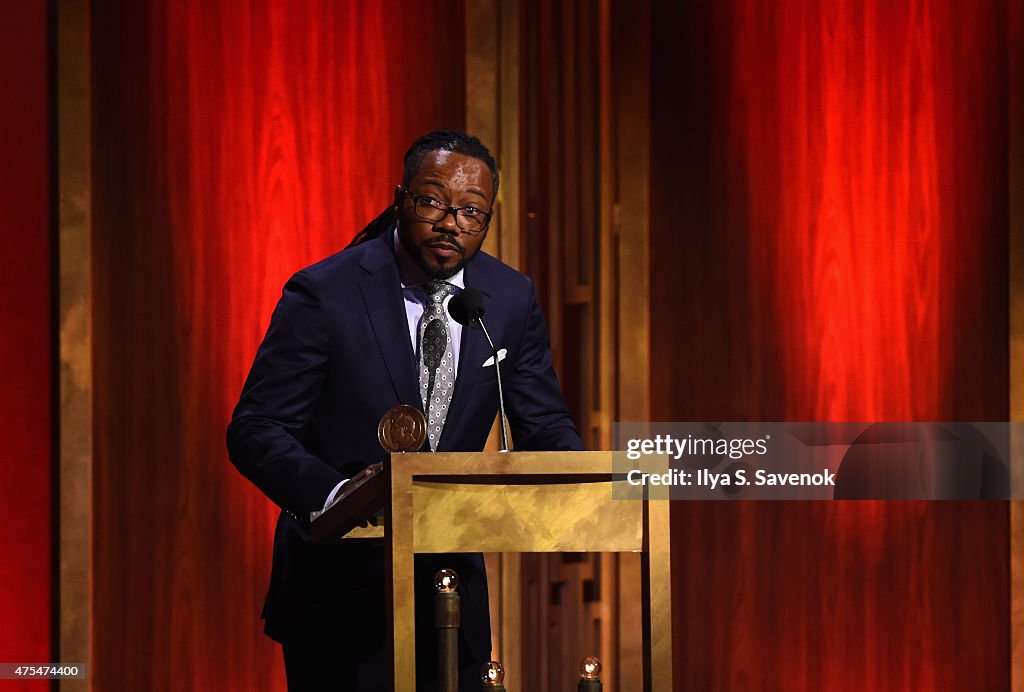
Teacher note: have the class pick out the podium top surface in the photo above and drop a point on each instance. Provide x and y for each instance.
(502, 463)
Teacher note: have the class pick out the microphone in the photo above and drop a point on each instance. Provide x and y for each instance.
(467, 309)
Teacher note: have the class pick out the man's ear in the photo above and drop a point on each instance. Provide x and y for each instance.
(398, 197)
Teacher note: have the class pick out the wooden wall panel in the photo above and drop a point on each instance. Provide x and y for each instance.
(234, 143)
(829, 242)
(26, 340)
(571, 182)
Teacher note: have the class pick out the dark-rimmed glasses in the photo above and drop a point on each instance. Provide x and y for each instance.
(468, 219)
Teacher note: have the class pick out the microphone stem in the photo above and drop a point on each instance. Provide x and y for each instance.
(501, 395)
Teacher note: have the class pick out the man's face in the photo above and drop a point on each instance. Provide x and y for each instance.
(441, 248)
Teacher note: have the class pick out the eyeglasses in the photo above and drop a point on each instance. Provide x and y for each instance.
(468, 219)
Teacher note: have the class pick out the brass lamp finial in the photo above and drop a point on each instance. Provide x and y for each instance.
(492, 674)
(590, 668)
(446, 581)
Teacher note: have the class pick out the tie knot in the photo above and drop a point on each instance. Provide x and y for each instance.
(437, 291)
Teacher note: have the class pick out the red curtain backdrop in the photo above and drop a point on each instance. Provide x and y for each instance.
(830, 233)
(234, 144)
(26, 340)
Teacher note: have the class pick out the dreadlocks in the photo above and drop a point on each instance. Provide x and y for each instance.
(384, 222)
(438, 140)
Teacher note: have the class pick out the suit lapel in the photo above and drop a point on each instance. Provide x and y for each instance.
(382, 295)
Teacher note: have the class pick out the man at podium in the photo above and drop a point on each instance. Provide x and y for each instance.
(353, 336)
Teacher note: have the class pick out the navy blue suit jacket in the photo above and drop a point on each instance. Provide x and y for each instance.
(336, 356)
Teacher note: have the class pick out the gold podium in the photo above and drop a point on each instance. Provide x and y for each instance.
(520, 502)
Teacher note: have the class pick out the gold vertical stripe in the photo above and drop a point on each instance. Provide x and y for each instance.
(632, 213)
(658, 556)
(492, 114)
(506, 109)
(608, 281)
(511, 614)
(401, 576)
(482, 75)
(1016, 199)
(74, 252)
(492, 110)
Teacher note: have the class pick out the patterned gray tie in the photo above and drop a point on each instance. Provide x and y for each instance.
(437, 364)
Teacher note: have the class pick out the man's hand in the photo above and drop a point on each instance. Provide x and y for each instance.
(356, 481)
(364, 494)
(369, 471)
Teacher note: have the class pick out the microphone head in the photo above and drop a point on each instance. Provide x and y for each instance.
(467, 306)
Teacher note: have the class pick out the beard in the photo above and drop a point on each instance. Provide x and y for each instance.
(437, 267)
